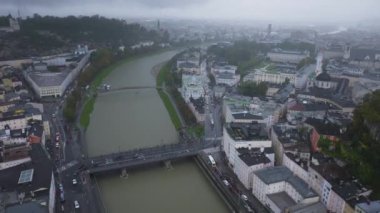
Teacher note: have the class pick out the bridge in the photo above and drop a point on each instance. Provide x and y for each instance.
(139, 157)
(102, 90)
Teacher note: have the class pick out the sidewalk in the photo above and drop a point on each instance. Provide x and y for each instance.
(183, 124)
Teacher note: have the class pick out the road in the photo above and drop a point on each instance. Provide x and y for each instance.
(67, 157)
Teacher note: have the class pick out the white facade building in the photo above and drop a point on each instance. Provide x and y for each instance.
(46, 83)
(278, 55)
(243, 135)
(279, 189)
(192, 86)
(274, 77)
(226, 79)
(242, 109)
(250, 160)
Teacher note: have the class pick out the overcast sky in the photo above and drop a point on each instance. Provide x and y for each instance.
(313, 11)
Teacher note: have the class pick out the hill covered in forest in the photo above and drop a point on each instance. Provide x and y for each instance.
(43, 35)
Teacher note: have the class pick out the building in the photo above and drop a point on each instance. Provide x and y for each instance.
(308, 208)
(225, 68)
(189, 57)
(250, 160)
(323, 129)
(227, 79)
(368, 207)
(26, 186)
(323, 88)
(192, 86)
(339, 191)
(279, 189)
(18, 118)
(243, 109)
(281, 73)
(271, 75)
(197, 107)
(287, 138)
(335, 51)
(243, 135)
(49, 79)
(188, 68)
(284, 56)
(298, 111)
(365, 58)
(225, 74)
(338, 68)
(142, 44)
(13, 26)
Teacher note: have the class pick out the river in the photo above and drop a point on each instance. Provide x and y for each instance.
(137, 118)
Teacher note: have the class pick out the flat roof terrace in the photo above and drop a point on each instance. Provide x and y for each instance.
(247, 131)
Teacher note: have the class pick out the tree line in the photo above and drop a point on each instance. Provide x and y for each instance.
(44, 35)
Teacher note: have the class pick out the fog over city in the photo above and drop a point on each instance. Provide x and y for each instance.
(301, 11)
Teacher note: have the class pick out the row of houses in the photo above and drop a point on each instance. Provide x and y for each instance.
(281, 162)
(26, 171)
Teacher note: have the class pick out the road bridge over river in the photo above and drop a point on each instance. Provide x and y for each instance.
(139, 157)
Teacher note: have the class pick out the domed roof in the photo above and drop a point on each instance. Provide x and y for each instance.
(323, 77)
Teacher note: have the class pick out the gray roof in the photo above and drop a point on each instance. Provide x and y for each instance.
(247, 131)
(273, 174)
(247, 116)
(324, 76)
(281, 173)
(282, 200)
(254, 156)
(48, 79)
(225, 75)
(307, 208)
(371, 207)
(361, 54)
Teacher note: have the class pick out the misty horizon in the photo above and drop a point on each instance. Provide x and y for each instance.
(347, 12)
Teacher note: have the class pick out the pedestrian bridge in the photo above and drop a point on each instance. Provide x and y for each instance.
(127, 88)
(139, 157)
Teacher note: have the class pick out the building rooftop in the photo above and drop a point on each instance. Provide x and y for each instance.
(348, 189)
(291, 52)
(247, 131)
(370, 207)
(199, 104)
(45, 79)
(281, 173)
(296, 159)
(282, 200)
(306, 208)
(246, 116)
(288, 134)
(42, 172)
(324, 126)
(254, 156)
(361, 54)
(246, 106)
(187, 65)
(225, 75)
(324, 76)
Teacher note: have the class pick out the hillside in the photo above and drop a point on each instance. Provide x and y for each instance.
(49, 35)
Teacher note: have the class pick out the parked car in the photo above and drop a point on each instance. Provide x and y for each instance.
(75, 181)
(76, 204)
(244, 197)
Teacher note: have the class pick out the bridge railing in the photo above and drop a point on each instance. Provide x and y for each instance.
(151, 151)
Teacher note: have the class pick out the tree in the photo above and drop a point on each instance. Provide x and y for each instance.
(253, 89)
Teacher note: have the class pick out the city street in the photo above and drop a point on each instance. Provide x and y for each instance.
(66, 154)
